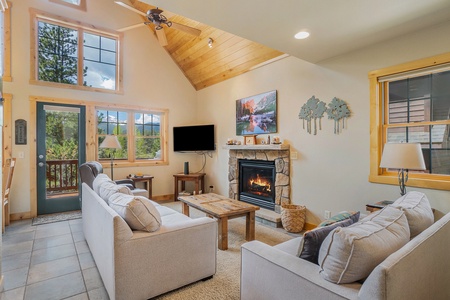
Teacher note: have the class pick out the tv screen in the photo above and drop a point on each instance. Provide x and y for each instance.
(193, 138)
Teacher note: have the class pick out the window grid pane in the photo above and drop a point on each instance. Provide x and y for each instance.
(57, 53)
(100, 63)
(146, 133)
(416, 100)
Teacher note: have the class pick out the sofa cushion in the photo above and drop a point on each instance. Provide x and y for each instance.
(137, 211)
(105, 187)
(349, 254)
(312, 240)
(353, 215)
(418, 211)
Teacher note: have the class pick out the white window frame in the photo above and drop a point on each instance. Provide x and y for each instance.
(37, 16)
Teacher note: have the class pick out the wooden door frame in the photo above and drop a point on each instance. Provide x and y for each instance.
(7, 144)
(90, 138)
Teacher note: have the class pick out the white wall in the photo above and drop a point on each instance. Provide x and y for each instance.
(332, 170)
(150, 79)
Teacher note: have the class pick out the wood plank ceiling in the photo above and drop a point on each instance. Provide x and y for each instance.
(203, 66)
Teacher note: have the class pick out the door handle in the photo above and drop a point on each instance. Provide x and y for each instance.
(41, 164)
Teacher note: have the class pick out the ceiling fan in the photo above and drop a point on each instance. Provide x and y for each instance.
(155, 16)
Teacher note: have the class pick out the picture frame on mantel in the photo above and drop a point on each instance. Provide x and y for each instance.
(257, 114)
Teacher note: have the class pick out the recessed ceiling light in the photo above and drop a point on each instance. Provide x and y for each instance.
(301, 35)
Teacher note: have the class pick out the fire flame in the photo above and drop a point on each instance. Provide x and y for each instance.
(261, 183)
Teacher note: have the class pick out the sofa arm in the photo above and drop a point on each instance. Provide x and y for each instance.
(179, 253)
(269, 273)
(126, 182)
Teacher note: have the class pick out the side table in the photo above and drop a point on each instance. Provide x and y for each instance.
(377, 205)
(198, 178)
(147, 180)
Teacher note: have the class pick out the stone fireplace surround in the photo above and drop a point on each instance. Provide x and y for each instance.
(277, 153)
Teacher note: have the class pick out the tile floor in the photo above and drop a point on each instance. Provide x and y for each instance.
(50, 261)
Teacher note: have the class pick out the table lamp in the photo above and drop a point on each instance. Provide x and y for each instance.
(404, 157)
(111, 142)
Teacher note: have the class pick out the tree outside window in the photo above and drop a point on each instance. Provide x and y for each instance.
(139, 134)
(61, 60)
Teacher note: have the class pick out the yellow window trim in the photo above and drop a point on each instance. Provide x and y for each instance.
(378, 175)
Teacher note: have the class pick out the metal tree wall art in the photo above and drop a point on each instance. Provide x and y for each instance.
(312, 110)
(337, 110)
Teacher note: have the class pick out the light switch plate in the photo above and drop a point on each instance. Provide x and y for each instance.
(294, 155)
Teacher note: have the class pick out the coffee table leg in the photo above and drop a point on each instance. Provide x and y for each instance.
(223, 233)
(185, 209)
(250, 226)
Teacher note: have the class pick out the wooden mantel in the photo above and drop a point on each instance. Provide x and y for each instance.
(257, 147)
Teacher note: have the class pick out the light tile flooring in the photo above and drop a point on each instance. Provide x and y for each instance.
(50, 261)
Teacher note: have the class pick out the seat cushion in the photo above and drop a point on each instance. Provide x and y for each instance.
(349, 254)
(418, 211)
(105, 187)
(137, 211)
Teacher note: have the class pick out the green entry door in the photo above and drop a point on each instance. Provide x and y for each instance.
(60, 151)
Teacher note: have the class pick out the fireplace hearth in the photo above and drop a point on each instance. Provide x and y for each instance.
(257, 182)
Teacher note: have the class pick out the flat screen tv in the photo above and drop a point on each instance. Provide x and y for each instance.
(193, 138)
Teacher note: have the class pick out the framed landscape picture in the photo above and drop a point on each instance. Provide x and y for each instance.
(257, 114)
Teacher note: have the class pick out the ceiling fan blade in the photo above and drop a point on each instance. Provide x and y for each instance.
(187, 29)
(131, 8)
(161, 37)
(130, 27)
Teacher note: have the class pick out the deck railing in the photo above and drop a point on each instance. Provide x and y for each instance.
(62, 176)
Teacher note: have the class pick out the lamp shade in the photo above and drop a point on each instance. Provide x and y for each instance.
(406, 156)
(111, 142)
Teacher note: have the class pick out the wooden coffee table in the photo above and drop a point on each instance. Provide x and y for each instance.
(223, 209)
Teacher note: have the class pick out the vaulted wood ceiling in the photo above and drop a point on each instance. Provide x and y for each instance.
(204, 66)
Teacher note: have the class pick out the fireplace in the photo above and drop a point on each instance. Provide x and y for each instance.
(257, 182)
(278, 155)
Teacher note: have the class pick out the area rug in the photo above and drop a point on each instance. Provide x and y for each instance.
(57, 217)
(225, 283)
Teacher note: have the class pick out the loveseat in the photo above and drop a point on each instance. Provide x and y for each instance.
(420, 269)
(140, 265)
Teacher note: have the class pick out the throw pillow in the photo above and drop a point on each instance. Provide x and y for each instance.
(105, 187)
(353, 215)
(312, 240)
(349, 254)
(137, 211)
(418, 211)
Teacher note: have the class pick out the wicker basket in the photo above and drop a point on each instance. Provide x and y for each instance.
(293, 217)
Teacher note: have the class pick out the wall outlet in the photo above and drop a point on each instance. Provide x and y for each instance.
(327, 214)
(294, 155)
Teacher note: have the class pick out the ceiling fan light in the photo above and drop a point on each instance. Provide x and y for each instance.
(301, 35)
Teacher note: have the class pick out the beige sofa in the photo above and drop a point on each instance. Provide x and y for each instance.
(418, 270)
(141, 265)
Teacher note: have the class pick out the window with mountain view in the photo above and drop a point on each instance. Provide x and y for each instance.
(139, 134)
(61, 60)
